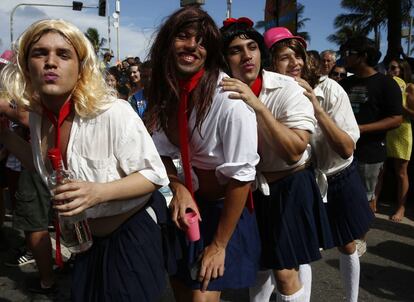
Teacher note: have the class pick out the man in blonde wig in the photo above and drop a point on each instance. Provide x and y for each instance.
(106, 146)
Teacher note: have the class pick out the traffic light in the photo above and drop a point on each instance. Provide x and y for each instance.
(76, 5)
(102, 8)
(191, 2)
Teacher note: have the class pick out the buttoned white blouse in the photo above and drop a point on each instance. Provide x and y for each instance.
(106, 148)
(285, 100)
(334, 100)
(227, 144)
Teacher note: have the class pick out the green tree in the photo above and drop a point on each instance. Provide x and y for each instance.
(370, 15)
(93, 36)
(346, 32)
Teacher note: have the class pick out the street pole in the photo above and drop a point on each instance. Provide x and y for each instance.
(109, 27)
(409, 36)
(35, 4)
(118, 11)
(228, 12)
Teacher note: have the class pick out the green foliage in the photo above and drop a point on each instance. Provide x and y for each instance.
(93, 36)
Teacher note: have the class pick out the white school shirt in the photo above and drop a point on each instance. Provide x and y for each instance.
(106, 148)
(284, 98)
(335, 102)
(228, 141)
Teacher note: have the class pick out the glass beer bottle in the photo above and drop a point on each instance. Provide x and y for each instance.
(74, 230)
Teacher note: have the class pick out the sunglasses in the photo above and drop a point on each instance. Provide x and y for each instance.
(339, 74)
(394, 67)
(347, 53)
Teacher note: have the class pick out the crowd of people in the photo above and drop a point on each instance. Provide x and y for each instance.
(278, 150)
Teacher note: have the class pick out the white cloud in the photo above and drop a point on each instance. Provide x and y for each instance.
(133, 40)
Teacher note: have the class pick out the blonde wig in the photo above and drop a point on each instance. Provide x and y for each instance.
(90, 95)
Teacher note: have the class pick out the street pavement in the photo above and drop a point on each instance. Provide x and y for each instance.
(387, 269)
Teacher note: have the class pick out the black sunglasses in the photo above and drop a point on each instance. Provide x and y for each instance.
(347, 53)
(339, 74)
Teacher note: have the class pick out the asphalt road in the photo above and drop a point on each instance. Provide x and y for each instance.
(387, 269)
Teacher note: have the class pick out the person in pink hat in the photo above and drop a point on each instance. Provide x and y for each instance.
(333, 144)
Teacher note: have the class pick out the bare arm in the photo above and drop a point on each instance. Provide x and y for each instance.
(288, 143)
(182, 199)
(19, 147)
(338, 139)
(385, 124)
(212, 265)
(14, 114)
(84, 194)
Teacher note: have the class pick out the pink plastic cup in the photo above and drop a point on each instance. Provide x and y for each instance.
(193, 230)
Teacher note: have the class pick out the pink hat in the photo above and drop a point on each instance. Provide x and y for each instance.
(6, 57)
(276, 34)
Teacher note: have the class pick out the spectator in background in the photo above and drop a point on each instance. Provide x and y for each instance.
(376, 103)
(338, 73)
(399, 141)
(105, 63)
(136, 93)
(328, 60)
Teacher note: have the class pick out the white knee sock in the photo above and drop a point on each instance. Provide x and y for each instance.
(299, 296)
(305, 277)
(349, 267)
(263, 288)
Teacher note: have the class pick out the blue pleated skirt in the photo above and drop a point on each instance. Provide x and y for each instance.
(242, 252)
(127, 265)
(349, 214)
(292, 221)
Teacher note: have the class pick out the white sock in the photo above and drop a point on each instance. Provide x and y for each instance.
(263, 288)
(299, 296)
(305, 277)
(349, 267)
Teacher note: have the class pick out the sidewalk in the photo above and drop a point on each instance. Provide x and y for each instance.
(387, 269)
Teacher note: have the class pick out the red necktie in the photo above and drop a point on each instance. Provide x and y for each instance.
(256, 88)
(186, 87)
(57, 123)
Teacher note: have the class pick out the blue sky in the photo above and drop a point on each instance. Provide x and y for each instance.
(140, 18)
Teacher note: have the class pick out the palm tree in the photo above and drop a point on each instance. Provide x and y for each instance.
(346, 32)
(93, 36)
(300, 24)
(370, 15)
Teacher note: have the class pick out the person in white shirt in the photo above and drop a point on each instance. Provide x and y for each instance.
(333, 144)
(218, 151)
(108, 149)
(292, 221)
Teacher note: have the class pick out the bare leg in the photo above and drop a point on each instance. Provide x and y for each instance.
(184, 294)
(287, 281)
(41, 247)
(400, 167)
(378, 188)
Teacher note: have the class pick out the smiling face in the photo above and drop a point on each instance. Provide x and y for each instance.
(134, 74)
(394, 69)
(189, 51)
(53, 67)
(243, 57)
(286, 61)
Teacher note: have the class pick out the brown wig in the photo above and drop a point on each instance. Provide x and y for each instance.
(311, 77)
(163, 92)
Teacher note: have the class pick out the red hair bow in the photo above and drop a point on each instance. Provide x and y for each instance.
(242, 20)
